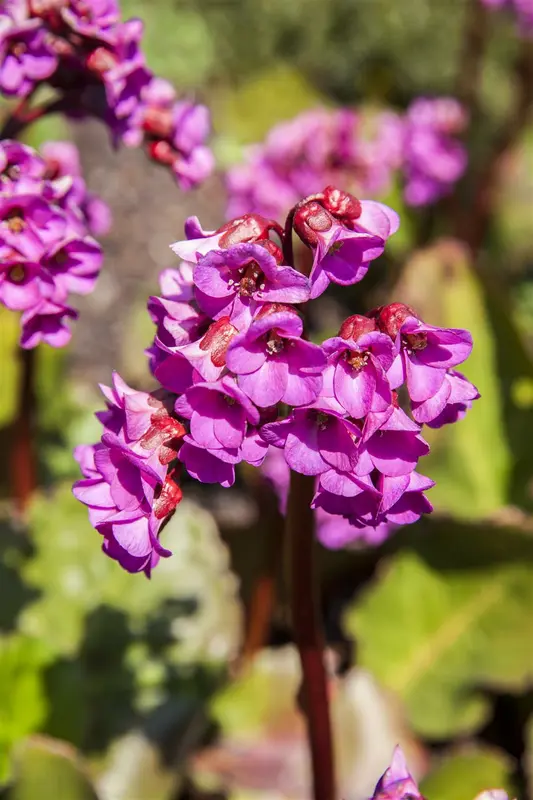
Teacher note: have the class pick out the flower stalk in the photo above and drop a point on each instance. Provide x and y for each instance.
(23, 461)
(308, 634)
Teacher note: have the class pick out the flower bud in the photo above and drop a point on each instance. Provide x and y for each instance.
(249, 228)
(391, 318)
(217, 340)
(341, 204)
(310, 220)
(355, 326)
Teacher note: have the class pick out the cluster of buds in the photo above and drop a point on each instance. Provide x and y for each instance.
(239, 381)
(47, 249)
(95, 63)
(345, 148)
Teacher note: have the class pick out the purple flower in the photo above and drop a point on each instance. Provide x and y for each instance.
(360, 355)
(314, 441)
(23, 283)
(449, 404)
(433, 160)
(426, 352)
(273, 363)
(397, 783)
(25, 56)
(90, 18)
(126, 486)
(391, 444)
(29, 224)
(209, 466)
(20, 167)
(63, 170)
(336, 532)
(45, 322)
(344, 247)
(219, 414)
(231, 282)
(403, 501)
(119, 493)
(74, 265)
(198, 242)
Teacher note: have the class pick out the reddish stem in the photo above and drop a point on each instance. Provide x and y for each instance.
(23, 464)
(308, 634)
(471, 57)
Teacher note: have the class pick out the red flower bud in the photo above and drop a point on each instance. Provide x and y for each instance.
(391, 318)
(217, 340)
(311, 219)
(158, 122)
(341, 204)
(101, 61)
(168, 497)
(355, 326)
(249, 228)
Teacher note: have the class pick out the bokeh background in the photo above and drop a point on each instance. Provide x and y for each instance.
(119, 688)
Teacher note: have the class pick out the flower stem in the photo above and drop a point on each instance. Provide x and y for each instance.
(308, 634)
(23, 464)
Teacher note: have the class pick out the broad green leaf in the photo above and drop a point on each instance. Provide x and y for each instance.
(471, 461)
(22, 700)
(445, 618)
(76, 578)
(463, 775)
(50, 768)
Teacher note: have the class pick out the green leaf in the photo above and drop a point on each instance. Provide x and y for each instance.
(471, 461)
(50, 768)
(447, 617)
(463, 775)
(283, 94)
(76, 578)
(22, 702)
(9, 367)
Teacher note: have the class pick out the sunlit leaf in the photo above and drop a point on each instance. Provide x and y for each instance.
(445, 618)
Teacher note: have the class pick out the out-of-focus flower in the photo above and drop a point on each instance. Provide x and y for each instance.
(46, 252)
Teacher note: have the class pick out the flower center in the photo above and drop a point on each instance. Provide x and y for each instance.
(18, 49)
(322, 420)
(335, 247)
(252, 280)
(17, 274)
(14, 220)
(357, 360)
(416, 341)
(11, 173)
(275, 344)
(229, 400)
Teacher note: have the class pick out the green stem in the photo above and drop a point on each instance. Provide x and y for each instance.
(308, 634)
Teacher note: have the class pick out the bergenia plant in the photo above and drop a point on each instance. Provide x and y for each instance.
(336, 426)
(359, 151)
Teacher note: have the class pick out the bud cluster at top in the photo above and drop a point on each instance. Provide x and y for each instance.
(345, 148)
(95, 63)
(47, 250)
(240, 382)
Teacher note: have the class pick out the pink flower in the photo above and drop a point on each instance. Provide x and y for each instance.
(273, 362)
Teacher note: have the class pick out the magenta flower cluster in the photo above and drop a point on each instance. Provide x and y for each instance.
(47, 250)
(240, 378)
(522, 10)
(343, 147)
(95, 63)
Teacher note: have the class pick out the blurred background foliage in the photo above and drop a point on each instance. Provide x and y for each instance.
(117, 688)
